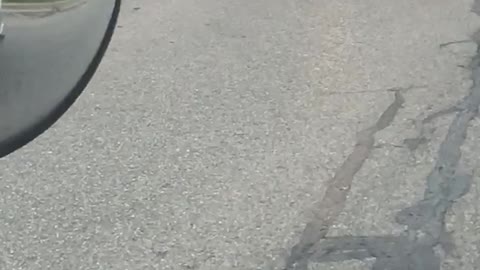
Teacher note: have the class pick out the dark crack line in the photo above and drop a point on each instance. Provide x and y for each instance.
(394, 89)
(424, 221)
(326, 210)
(421, 138)
(446, 44)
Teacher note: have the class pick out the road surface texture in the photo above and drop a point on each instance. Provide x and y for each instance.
(271, 134)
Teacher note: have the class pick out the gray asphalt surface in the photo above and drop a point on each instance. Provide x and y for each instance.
(260, 135)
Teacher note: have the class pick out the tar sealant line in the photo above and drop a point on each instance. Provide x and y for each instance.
(326, 210)
(424, 221)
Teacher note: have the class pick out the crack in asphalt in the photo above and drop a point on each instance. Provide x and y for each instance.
(326, 210)
(421, 138)
(414, 249)
(335, 93)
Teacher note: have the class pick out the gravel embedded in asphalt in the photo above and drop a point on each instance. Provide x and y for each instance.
(212, 128)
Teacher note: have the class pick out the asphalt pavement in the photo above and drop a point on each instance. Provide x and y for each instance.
(270, 134)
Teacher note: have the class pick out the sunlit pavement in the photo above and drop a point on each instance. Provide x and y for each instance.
(214, 132)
